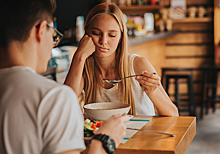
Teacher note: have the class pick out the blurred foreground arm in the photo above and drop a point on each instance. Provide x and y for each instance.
(113, 127)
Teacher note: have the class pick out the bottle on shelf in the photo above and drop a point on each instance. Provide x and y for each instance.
(134, 2)
(145, 2)
(153, 2)
(139, 2)
(129, 2)
(149, 22)
(79, 27)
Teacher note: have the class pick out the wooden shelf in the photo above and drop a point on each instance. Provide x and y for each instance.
(142, 7)
(193, 20)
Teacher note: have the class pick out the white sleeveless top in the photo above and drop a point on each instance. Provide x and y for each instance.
(143, 104)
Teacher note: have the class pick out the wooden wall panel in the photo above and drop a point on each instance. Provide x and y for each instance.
(193, 47)
(188, 62)
(198, 76)
(218, 89)
(216, 30)
(193, 26)
(189, 51)
(189, 38)
(154, 51)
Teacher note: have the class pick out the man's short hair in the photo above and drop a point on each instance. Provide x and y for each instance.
(17, 17)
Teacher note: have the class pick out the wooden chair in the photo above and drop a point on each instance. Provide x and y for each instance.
(177, 74)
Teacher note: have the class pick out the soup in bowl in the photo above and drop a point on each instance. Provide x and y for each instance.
(103, 111)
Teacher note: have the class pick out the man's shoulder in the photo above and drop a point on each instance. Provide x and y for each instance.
(36, 80)
(30, 82)
(47, 85)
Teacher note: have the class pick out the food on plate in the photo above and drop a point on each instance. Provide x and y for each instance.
(90, 127)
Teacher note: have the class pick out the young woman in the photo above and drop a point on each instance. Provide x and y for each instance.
(103, 54)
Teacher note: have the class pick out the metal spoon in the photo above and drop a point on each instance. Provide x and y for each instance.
(172, 135)
(117, 81)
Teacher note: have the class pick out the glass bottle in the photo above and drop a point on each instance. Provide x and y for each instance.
(139, 2)
(145, 2)
(134, 2)
(129, 3)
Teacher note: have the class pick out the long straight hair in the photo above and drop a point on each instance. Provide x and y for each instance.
(93, 82)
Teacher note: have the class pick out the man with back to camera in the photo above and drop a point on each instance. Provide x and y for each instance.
(38, 115)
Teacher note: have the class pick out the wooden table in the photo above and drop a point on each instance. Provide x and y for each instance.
(142, 142)
(150, 143)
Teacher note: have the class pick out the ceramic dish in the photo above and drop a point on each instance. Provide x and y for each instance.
(103, 111)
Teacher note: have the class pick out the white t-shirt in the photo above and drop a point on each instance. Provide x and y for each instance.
(143, 104)
(37, 115)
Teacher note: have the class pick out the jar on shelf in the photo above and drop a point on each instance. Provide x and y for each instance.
(192, 12)
(201, 11)
(160, 25)
(169, 24)
(164, 13)
(122, 2)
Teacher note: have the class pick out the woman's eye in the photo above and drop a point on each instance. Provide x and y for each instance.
(112, 35)
(94, 33)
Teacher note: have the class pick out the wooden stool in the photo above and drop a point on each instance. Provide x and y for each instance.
(178, 73)
(210, 85)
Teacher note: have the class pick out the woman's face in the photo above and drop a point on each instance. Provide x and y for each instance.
(106, 34)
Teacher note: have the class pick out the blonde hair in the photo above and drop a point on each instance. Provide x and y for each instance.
(93, 82)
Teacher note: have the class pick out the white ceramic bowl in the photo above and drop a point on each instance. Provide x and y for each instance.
(103, 111)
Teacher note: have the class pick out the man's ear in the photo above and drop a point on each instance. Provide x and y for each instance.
(40, 30)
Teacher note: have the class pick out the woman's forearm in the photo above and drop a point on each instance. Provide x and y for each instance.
(74, 77)
(162, 103)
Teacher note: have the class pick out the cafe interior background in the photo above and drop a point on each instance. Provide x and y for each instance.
(181, 38)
